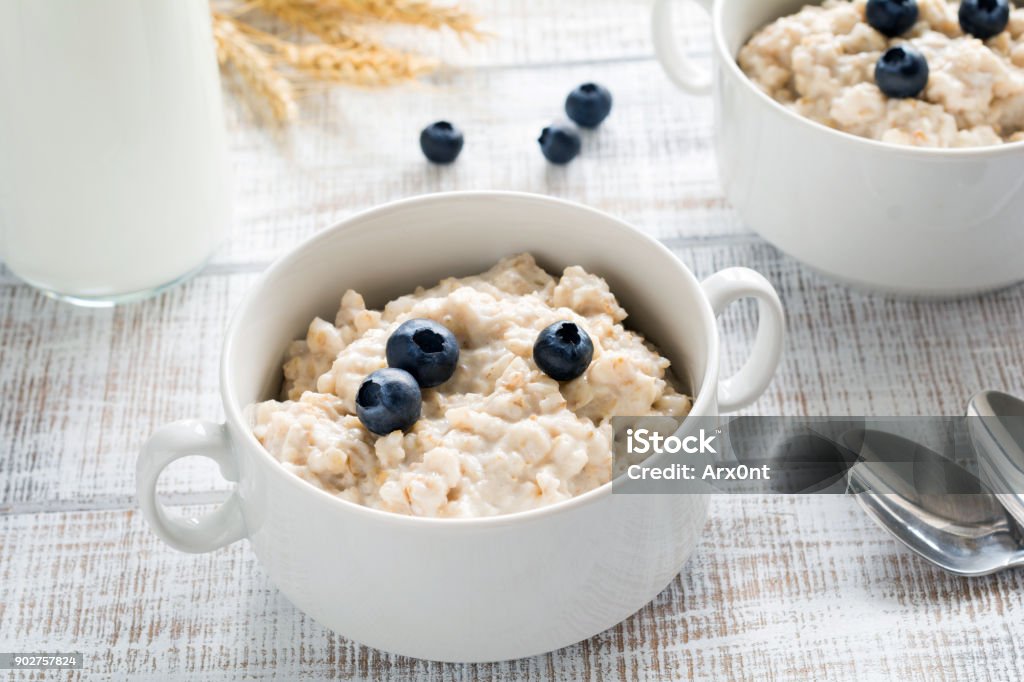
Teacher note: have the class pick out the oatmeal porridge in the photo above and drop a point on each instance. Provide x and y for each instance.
(500, 435)
(820, 62)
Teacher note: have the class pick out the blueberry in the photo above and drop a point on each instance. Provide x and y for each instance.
(984, 18)
(441, 142)
(425, 349)
(388, 400)
(892, 17)
(559, 143)
(563, 351)
(588, 105)
(902, 72)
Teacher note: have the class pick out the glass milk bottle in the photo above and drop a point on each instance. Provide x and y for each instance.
(113, 169)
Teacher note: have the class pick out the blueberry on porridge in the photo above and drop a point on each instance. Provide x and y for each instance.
(891, 17)
(425, 349)
(984, 18)
(901, 72)
(499, 435)
(822, 63)
(388, 400)
(563, 351)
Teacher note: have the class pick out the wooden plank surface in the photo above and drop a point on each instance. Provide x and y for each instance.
(781, 588)
(652, 162)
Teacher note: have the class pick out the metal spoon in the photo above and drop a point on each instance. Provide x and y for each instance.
(966, 531)
(996, 423)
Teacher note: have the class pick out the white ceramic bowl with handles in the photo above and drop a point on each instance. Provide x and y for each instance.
(459, 589)
(935, 222)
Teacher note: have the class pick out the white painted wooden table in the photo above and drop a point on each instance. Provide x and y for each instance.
(782, 588)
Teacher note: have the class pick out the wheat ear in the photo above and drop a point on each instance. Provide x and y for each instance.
(357, 66)
(347, 56)
(416, 12)
(255, 67)
(322, 20)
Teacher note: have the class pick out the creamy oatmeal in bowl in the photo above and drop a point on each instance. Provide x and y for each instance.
(529, 550)
(821, 63)
(916, 193)
(500, 435)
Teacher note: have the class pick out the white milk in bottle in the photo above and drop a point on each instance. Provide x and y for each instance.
(113, 171)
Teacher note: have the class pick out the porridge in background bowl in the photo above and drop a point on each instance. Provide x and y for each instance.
(499, 436)
(820, 63)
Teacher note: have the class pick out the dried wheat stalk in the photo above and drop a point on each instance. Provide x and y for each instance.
(416, 12)
(347, 55)
(317, 17)
(356, 66)
(255, 67)
(277, 69)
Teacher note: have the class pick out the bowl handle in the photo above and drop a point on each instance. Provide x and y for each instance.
(747, 385)
(679, 67)
(180, 439)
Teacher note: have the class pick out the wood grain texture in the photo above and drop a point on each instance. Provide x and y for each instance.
(84, 388)
(652, 162)
(781, 588)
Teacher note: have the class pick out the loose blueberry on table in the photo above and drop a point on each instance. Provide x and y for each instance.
(559, 143)
(388, 400)
(892, 17)
(425, 349)
(588, 105)
(902, 72)
(984, 18)
(441, 142)
(563, 351)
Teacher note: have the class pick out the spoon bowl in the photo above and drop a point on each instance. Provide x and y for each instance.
(964, 530)
(995, 421)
